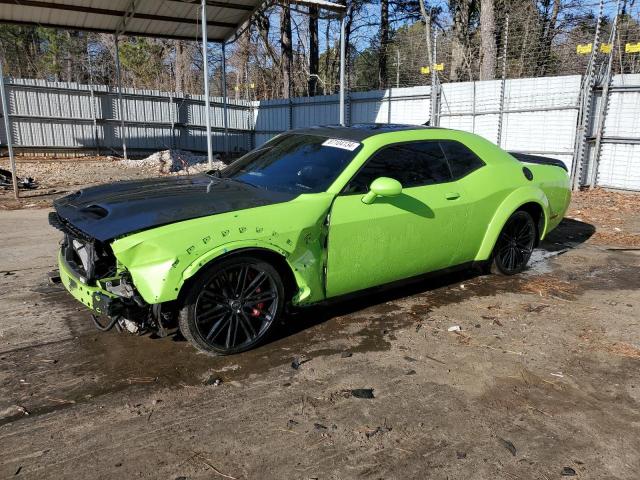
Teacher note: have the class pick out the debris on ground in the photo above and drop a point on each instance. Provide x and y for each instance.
(375, 431)
(461, 455)
(6, 181)
(297, 361)
(454, 328)
(213, 380)
(568, 472)
(176, 161)
(362, 392)
(508, 445)
(534, 308)
(346, 355)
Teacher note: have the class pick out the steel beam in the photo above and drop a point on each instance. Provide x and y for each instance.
(343, 56)
(225, 119)
(7, 129)
(205, 74)
(123, 132)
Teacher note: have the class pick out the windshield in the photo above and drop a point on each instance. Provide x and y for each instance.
(294, 163)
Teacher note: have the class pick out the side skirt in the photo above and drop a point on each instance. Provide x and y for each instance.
(395, 284)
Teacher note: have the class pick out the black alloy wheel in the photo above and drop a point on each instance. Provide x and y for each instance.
(232, 306)
(515, 244)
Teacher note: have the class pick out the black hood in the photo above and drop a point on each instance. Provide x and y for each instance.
(108, 211)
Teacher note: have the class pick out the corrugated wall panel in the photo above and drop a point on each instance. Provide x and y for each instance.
(619, 163)
(619, 166)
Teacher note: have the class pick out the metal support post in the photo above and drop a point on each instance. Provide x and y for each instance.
(503, 82)
(588, 86)
(225, 118)
(343, 56)
(205, 66)
(604, 105)
(433, 118)
(7, 130)
(123, 133)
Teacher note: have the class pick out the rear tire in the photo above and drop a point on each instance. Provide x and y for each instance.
(232, 306)
(514, 245)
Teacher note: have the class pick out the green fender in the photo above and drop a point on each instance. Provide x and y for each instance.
(220, 250)
(303, 280)
(510, 204)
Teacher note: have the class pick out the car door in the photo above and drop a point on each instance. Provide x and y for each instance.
(480, 198)
(396, 237)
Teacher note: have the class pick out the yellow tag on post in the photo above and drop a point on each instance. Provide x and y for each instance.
(632, 48)
(438, 67)
(605, 48)
(584, 49)
(425, 70)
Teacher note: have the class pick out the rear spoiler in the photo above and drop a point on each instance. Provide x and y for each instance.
(527, 158)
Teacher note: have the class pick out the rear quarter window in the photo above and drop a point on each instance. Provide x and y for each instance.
(462, 160)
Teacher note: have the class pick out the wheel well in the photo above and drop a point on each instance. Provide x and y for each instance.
(535, 210)
(274, 259)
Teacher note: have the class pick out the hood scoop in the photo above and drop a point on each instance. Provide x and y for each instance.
(95, 211)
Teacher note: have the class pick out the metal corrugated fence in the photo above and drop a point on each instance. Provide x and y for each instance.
(58, 116)
(531, 115)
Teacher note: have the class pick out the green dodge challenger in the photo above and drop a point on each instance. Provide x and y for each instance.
(311, 215)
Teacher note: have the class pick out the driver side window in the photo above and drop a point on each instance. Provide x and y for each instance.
(412, 164)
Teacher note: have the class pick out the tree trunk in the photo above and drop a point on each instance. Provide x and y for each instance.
(550, 20)
(179, 67)
(487, 40)
(314, 51)
(286, 50)
(384, 43)
(461, 10)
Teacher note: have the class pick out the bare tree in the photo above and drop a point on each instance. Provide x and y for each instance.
(461, 12)
(286, 50)
(384, 43)
(314, 51)
(549, 17)
(487, 40)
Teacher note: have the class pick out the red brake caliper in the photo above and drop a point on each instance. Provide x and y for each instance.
(257, 310)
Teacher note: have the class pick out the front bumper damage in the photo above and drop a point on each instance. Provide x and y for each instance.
(90, 273)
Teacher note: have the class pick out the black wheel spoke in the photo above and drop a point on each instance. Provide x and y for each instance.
(262, 297)
(245, 323)
(254, 285)
(242, 278)
(217, 327)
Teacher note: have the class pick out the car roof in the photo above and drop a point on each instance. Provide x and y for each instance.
(358, 132)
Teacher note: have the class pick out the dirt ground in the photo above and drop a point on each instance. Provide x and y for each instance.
(542, 380)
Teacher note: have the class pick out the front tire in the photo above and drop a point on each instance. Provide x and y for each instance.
(514, 245)
(232, 306)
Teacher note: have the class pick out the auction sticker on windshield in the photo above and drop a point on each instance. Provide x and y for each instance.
(343, 144)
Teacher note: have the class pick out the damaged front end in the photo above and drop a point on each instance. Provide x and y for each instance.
(92, 275)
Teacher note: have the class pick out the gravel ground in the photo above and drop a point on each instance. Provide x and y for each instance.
(542, 381)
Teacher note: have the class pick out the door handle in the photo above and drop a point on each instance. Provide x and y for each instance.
(452, 196)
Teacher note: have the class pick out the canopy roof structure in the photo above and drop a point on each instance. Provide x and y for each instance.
(177, 19)
(202, 20)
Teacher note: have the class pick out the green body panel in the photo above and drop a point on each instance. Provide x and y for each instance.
(334, 243)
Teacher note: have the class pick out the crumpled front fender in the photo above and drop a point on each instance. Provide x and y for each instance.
(161, 260)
